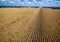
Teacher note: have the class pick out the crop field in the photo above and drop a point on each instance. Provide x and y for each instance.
(29, 25)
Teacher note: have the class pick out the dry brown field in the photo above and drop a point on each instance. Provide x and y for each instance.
(29, 25)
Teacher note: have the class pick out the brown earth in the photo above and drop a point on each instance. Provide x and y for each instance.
(29, 25)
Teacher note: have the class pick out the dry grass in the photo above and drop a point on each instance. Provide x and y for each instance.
(51, 25)
(15, 24)
(29, 25)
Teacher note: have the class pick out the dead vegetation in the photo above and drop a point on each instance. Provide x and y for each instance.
(29, 25)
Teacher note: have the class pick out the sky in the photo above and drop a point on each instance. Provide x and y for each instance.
(40, 3)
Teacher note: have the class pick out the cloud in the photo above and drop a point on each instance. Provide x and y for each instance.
(50, 3)
(22, 3)
(46, 3)
(29, 2)
(34, 1)
(3, 0)
(11, 2)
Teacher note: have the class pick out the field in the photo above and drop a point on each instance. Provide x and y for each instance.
(29, 25)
